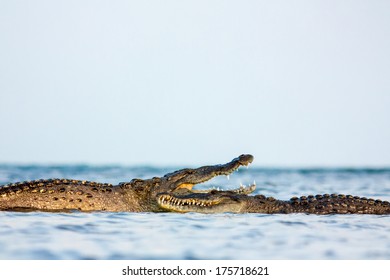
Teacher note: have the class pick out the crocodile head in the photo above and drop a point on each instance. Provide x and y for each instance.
(179, 195)
(212, 201)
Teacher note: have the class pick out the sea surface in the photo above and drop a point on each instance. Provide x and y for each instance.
(99, 235)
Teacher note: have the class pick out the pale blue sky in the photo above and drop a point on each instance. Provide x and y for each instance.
(295, 83)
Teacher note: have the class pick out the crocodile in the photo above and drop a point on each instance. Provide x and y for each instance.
(216, 201)
(174, 193)
(135, 196)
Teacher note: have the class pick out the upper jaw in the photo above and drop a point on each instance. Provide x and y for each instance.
(191, 177)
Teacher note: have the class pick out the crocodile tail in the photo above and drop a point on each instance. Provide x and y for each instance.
(339, 204)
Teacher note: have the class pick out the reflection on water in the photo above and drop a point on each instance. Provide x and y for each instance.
(77, 235)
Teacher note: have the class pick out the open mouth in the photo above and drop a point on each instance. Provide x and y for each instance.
(184, 199)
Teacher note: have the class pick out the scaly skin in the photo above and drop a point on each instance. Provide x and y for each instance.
(135, 196)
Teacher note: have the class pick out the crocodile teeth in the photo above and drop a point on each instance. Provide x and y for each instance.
(182, 202)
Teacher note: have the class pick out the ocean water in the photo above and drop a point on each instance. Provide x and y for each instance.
(99, 235)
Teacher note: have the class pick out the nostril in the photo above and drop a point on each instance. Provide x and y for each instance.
(245, 158)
